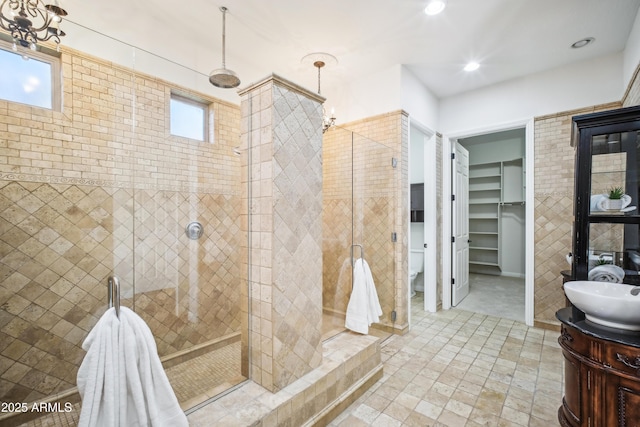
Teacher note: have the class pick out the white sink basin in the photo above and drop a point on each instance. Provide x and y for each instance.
(605, 303)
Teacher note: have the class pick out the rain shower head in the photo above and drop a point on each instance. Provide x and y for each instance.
(222, 77)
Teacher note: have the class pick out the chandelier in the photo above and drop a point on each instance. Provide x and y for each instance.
(319, 60)
(327, 121)
(30, 21)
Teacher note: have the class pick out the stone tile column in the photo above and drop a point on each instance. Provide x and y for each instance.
(282, 168)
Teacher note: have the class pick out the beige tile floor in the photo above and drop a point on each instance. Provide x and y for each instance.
(461, 369)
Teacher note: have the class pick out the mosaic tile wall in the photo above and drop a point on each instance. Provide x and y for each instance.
(392, 131)
(83, 195)
(282, 125)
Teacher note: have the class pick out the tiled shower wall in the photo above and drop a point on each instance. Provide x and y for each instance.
(89, 192)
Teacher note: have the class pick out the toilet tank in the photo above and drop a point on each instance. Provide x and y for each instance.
(416, 260)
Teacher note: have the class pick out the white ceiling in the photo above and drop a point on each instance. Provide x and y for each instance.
(510, 38)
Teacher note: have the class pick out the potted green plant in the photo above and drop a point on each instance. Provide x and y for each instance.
(615, 196)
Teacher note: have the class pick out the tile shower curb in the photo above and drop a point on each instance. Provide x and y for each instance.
(336, 407)
(351, 364)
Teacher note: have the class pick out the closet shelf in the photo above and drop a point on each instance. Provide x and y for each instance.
(493, 188)
(480, 248)
(491, 264)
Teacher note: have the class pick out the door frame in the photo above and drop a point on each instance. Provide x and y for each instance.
(447, 191)
(429, 143)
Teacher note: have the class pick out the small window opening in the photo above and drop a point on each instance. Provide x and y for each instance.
(188, 118)
(30, 77)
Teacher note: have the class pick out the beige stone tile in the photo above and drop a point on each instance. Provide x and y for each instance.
(396, 411)
(429, 409)
(366, 413)
(352, 421)
(416, 419)
(515, 416)
(377, 401)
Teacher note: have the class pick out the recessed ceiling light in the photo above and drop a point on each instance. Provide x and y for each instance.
(583, 42)
(471, 66)
(434, 7)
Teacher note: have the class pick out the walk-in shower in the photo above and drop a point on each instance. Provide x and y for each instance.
(103, 189)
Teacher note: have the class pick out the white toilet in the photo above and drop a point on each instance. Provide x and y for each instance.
(416, 266)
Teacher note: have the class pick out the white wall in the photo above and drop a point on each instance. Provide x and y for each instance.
(573, 86)
(386, 90)
(422, 106)
(366, 96)
(632, 51)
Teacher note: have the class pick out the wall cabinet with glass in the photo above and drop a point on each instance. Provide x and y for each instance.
(606, 228)
(492, 187)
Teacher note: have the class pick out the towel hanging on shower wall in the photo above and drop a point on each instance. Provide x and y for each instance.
(364, 307)
(121, 380)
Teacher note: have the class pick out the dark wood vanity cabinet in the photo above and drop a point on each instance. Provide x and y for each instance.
(602, 381)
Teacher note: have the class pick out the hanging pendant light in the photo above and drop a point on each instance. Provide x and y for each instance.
(319, 60)
(222, 77)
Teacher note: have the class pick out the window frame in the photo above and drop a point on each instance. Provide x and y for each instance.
(207, 116)
(42, 54)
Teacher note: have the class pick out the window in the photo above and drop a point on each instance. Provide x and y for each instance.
(30, 77)
(188, 118)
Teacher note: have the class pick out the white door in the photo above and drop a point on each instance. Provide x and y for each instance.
(460, 225)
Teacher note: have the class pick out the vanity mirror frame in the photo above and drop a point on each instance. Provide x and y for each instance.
(585, 128)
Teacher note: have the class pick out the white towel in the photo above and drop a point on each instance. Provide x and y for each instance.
(374, 309)
(121, 379)
(364, 307)
(98, 374)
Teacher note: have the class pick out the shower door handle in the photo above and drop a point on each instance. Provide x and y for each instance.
(113, 293)
(353, 261)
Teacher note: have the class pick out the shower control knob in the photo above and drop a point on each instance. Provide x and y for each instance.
(194, 230)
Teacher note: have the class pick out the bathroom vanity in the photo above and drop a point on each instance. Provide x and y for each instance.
(602, 364)
(602, 375)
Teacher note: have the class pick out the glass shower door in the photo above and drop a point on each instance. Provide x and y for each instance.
(186, 247)
(374, 201)
(358, 218)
